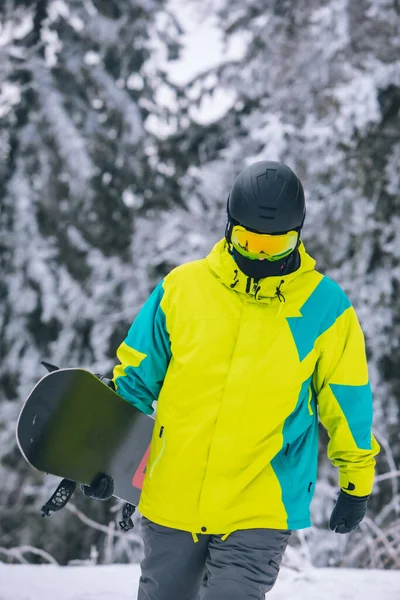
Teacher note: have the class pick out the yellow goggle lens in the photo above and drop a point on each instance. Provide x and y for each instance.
(262, 245)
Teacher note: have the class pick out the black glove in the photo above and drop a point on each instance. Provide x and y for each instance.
(101, 488)
(348, 512)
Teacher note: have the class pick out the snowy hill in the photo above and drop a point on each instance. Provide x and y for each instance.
(119, 582)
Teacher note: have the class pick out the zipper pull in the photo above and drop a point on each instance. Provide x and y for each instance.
(161, 431)
(256, 289)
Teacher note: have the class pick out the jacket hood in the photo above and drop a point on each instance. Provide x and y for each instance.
(222, 263)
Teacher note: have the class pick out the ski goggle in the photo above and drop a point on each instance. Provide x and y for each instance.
(263, 245)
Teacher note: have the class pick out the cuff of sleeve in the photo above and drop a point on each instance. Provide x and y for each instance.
(357, 482)
(139, 404)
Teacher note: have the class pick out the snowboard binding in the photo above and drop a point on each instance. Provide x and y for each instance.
(66, 488)
(60, 498)
(127, 524)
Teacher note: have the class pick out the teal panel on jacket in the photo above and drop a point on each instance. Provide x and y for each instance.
(356, 404)
(133, 390)
(296, 464)
(320, 311)
(148, 334)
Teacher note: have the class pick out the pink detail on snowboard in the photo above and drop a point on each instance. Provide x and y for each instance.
(138, 477)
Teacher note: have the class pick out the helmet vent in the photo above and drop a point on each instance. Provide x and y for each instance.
(271, 174)
(270, 209)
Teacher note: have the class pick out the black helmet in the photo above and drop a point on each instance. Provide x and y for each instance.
(266, 197)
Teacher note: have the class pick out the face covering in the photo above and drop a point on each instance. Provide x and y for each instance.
(258, 269)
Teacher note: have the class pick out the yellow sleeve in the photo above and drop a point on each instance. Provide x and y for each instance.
(345, 403)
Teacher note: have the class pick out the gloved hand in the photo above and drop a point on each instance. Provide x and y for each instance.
(348, 512)
(101, 488)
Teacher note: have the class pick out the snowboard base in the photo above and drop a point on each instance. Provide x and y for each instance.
(74, 426)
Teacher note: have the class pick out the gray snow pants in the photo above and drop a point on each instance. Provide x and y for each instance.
(244, 566)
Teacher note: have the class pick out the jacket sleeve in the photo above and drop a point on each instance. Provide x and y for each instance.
(345, 403)
(145, 354)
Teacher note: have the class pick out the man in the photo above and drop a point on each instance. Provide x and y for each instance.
(243, 351)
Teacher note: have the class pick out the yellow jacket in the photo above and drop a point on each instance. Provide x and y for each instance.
(241, 373)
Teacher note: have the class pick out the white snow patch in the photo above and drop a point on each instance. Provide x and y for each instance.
(17, 29)
(159, 126)
(203, 48)
(272, 133)
(135, 82)
(203, 44)
(120, 582)
(165, 96)
(92, 58)
(76, 23)
(52, 45)
(213, 107)
(331, 21)
(76, 239)
(392, 172)
(10, 95)
(130, 199)
(97, 103)
(58, 8)
(359, 105)
(106, 177)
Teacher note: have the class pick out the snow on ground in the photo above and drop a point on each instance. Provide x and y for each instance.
(120, 582)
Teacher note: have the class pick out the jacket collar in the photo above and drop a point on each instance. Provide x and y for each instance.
(222, 263)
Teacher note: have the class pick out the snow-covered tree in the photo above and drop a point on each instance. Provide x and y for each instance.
(76, 172)
(109, 178)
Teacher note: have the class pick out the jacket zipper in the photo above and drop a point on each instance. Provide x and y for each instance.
(310, 396)
(157, 459)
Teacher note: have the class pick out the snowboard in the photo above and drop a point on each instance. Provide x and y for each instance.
(74, 426)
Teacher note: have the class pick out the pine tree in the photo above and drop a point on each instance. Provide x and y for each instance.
(76, 175)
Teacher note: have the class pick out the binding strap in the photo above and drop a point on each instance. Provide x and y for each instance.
(60, 498)
(63, 494)
(127, 524)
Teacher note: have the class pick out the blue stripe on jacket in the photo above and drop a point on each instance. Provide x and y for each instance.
(320, 311)
(148, 336)
(296, 463)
